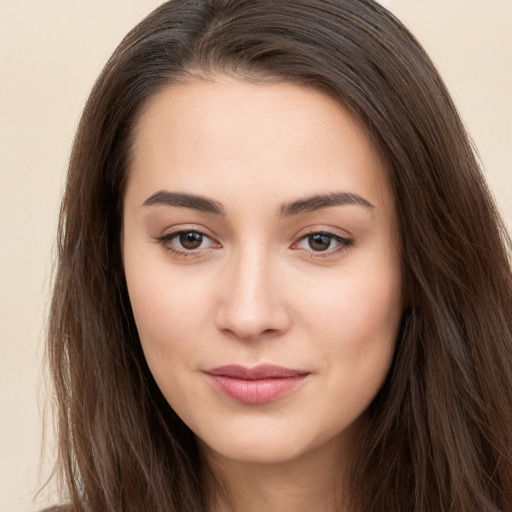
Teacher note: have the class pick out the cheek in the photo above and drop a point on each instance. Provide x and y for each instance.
(356, 334)
(169, 316)
(357, 325)
(170, 309)
(360, 306)
(160, 309)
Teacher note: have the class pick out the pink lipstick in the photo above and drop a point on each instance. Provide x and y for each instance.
(256, 385)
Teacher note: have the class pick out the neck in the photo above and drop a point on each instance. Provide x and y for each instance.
(314, 481)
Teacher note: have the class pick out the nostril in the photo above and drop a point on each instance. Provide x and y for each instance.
(252, 305)
(260, 326)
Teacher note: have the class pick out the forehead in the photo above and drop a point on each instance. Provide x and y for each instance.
(225, 135)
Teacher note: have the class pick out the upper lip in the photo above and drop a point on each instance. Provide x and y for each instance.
(264, 371)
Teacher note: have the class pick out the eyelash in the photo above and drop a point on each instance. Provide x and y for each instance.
(165, 242)
(345, 243)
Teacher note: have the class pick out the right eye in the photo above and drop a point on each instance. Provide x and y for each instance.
(185, 242)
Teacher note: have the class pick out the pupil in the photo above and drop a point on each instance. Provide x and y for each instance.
(191, 240)
(319, 242)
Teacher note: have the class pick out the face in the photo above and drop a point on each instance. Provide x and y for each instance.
(263, 266)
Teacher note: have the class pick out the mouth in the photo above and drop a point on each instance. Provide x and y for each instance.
(257, 385)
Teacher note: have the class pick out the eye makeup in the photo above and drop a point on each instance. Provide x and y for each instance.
(194, 242)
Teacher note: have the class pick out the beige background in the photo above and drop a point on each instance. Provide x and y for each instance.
(50, 53)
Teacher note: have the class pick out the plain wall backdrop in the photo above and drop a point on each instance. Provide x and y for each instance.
(50, 54)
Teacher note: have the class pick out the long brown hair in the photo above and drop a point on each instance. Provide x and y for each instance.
(440, 430)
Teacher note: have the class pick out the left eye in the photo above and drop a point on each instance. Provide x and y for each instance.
(320, 242)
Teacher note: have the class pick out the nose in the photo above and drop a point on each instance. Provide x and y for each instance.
(252, 303)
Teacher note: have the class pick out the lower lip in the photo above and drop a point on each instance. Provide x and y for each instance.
(258, 391)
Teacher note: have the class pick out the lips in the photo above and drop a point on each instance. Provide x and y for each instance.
(256, 385)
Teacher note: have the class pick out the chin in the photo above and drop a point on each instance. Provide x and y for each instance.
(268, 447)
(252, 452)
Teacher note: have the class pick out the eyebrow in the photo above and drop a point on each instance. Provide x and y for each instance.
(318, 202)
(308, 204)
(181, 200)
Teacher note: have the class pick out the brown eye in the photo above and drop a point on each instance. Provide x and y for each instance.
(190, 239)
(323, 243)
(319, 242)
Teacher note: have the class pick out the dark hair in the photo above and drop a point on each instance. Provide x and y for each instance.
(440, 430)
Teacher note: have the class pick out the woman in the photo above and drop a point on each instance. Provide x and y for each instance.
(282, 282)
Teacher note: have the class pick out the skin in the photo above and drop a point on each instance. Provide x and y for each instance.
(258, 290)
